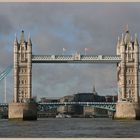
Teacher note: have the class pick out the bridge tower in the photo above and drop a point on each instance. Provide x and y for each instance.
(127, 77)
(22, 69)
(22, 81)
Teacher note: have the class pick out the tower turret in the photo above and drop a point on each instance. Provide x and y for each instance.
(122, 41)
(29, 44)
(127, 36)
(15, 41)
(118, 46)
(15, 70)
(29, 65)
(15, 44)
(22, 40)
(29, 41)
(136, 68)
(136, 44)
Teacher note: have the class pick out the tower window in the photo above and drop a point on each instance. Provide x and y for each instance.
(129, 48)
(129, 56)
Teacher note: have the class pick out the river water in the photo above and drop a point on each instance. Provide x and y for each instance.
(70, 128)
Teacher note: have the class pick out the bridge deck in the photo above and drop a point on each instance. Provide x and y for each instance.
(75, 59)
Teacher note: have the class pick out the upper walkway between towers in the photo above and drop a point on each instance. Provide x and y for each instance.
(76, 58)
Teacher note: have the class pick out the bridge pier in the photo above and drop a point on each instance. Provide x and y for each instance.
(22, 111)
(127, 110)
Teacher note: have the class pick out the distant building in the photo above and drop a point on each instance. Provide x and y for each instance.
(111, 98)
(78, 110)
(86, 97)
(50, 112)
(66, 109)
(90, 111)
(48, 100)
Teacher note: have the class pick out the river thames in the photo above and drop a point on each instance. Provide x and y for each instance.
(70, 128)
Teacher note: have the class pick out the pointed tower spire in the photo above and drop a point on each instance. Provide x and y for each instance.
(136, 40)
(127, 29)
(94, 91)
(15, 41)
(22, 37)
(118, 46)
(29, 40)
(122, 40)
(127, 35)
(131, 39)
(118, 43)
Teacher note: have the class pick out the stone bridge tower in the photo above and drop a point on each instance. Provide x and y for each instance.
(128, 68)
(127, 76)
(22, 69)
(22, 107)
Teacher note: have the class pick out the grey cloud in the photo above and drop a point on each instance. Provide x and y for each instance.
(94, 25)
(5, 25)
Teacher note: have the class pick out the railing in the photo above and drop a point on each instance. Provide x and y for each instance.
(103, 105)
(78, 103)
(46, 106)
(75, 59)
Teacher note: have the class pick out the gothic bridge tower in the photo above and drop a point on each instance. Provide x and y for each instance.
(22, 69)
(127, 77)
(128, 68)
(22, 107)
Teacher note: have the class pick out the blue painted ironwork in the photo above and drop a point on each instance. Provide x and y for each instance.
(5, 72)
(3, 107)
(103, 105)
(46, 106)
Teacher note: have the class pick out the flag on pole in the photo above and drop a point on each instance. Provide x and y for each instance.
(86, 49)
(64, 49)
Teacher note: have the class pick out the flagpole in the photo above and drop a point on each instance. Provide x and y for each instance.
(63, 51)
(85, 51)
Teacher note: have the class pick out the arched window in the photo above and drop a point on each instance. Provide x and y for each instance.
(129, 56)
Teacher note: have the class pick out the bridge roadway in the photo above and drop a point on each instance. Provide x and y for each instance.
(45, 106)
(77, 58)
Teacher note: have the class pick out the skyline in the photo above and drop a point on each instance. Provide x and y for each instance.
(74, 27)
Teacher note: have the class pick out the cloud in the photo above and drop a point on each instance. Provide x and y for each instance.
(73, 26)
(5, 25)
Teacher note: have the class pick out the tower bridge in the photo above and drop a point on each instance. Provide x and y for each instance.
(126, 59)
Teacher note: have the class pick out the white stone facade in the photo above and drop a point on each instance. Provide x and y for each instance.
(22, 69)
(128, 68)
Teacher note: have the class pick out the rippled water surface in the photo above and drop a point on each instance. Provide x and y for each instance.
(70, 128)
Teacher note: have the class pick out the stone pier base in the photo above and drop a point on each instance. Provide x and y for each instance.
(22, 111)
(127, 110)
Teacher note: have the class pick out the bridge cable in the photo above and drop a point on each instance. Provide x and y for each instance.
(5, 72)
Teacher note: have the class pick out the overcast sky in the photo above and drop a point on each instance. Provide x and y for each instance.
(73, 26)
